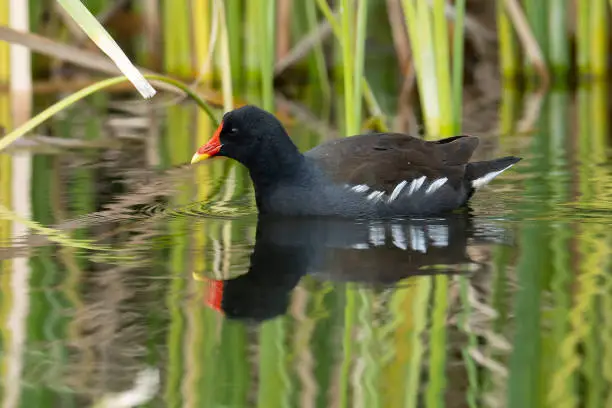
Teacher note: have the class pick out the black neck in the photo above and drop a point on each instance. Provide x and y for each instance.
(278, 163)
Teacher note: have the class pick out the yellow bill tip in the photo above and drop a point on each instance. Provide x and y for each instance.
(197, 157)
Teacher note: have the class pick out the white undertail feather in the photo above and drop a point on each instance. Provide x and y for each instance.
(484, 180)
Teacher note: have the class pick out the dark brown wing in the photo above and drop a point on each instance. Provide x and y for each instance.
(382, 160)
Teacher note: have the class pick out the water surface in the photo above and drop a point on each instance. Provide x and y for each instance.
(166, 288)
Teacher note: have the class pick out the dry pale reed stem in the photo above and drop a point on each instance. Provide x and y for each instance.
(527, 39)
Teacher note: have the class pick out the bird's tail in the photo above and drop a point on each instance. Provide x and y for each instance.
(481, 173)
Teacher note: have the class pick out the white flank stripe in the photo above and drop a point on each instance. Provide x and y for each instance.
(484, 180)
(376, 195)
(415, 185)
(397, 190)
(360, 188)
(433, 187)
(399, 238)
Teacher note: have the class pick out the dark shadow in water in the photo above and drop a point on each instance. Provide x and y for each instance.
(373, 253)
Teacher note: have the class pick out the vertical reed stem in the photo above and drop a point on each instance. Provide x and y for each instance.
(529, 42)
(267, 38)
(201, 28)
(536, 12)
(458, 50)
(283, 32)
(508, 55)
(5, 123)
(346, 40)
(429, 91)
(442, 63)
(369, 96)
(558, 44)
(598, 38)
(151, 48)
(319, 55)
(251, 49)
(177, 53)
(358, 82)
(226, 70)
(582, 36)
(235, 25)
(417, 15)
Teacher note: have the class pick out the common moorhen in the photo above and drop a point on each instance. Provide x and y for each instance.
(375, 175)
(376, 253)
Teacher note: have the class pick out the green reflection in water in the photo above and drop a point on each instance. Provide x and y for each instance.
(530, 328)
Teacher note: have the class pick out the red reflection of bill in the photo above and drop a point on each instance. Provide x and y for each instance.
(214, 294)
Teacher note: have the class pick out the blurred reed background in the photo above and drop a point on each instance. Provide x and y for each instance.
(249, 49)
(434, 68)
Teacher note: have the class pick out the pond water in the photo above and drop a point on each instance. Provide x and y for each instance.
(164, 289)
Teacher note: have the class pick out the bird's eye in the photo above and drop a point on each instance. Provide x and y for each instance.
(233, 131)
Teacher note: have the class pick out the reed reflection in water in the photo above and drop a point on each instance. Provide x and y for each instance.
(505, 305)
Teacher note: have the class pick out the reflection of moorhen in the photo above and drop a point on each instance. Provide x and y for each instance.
(341, 250)
(366, 176)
